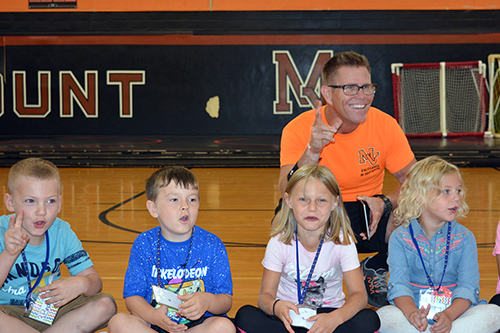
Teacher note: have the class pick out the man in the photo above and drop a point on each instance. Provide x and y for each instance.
(357, 142)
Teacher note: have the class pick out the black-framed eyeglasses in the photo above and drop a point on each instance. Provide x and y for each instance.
(353, 90)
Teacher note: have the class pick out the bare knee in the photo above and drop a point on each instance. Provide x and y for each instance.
(218, 325)
(119, 321)
(105, 307)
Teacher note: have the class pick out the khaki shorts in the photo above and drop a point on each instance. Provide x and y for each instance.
(18, 311)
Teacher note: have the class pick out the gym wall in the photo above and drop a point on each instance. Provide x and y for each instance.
(209, 67)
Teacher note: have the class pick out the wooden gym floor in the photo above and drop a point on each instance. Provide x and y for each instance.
(107, 209)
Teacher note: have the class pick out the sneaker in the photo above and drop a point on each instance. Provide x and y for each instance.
(375, 284)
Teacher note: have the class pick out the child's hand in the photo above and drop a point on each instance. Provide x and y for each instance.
(443, 323)
(419, 318)
(324, 323)
(195, 305)
(15, 239)
(282, 311)
(160, 318)
(63, 291)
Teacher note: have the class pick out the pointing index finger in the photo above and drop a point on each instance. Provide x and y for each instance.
(318, 120)
(12, 222)
(18, 224)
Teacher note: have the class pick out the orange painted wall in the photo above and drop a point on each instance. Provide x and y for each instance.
(257, 5)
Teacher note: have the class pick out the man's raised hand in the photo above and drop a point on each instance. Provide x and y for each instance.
(321, 133)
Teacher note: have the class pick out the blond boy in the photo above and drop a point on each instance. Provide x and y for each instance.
(33, 244)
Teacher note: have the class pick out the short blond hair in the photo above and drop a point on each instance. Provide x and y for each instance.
(423, 184)
(284, 223)
(33, 167)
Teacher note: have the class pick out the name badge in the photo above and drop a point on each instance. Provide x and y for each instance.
(439, 300)
(40, 311)
(305, 313)
(159, 299)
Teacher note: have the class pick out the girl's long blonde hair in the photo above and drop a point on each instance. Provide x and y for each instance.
(423, 184)
(284, 223)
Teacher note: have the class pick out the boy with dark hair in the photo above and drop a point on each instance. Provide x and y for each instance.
(178, 257)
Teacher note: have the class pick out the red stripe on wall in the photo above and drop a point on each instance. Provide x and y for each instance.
(493, 38)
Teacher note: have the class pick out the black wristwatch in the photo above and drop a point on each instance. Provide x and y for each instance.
(387, 203)
(295, 168)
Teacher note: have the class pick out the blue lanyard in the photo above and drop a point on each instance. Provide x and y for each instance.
(158, 270)
(445, 257)
(303, 294)
(44, 267)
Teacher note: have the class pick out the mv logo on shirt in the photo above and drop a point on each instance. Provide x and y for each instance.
(371, 156)
(369, 159)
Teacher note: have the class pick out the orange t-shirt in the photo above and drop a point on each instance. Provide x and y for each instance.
(358, 159)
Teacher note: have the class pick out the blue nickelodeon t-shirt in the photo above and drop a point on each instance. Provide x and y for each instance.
(65, 248)
(206, 269)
